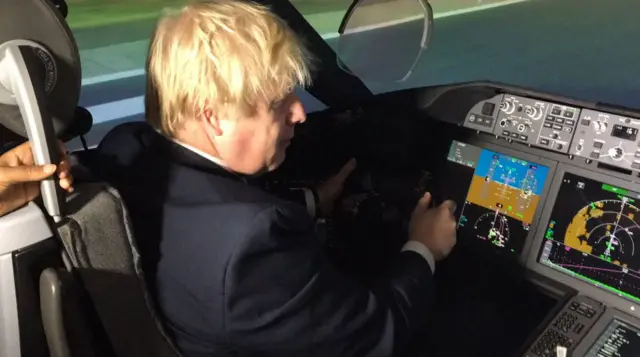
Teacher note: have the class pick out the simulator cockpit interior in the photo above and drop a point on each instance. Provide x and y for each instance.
(546, 175)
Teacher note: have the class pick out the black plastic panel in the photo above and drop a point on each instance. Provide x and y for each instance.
(28, 264)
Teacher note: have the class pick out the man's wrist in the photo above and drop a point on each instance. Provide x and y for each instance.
(417, 247)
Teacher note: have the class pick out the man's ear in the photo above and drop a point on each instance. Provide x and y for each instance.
(212, 122)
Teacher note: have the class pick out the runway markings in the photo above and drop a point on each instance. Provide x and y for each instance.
(113, 77)
(139, 72)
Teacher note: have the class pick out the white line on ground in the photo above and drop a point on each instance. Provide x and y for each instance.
(141, 71)
(115, 110)
(113, 76)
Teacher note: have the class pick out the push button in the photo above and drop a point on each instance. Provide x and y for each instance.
(597, 144)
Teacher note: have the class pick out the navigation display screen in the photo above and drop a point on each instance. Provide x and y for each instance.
(619, 339)
(497, 195)
(593, 234)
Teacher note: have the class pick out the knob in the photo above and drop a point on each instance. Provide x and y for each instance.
(534, 113)
(507, 106)
(559, 147)
(555, 136)
(522, 127)
(579, 147)
(503, 123)
(616, 153)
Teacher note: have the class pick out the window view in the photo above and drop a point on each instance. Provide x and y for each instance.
(581, 49)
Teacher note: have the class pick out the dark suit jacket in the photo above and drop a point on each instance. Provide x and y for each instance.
(240, 272)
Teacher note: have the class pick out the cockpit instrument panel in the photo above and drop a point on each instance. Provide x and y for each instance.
(498, 195)
(593, 234)
(593, 135)
(536, 122)
(608, 138)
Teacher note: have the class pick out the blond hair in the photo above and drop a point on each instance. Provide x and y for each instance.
(228, 56)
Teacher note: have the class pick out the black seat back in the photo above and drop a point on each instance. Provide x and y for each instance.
(98, 239)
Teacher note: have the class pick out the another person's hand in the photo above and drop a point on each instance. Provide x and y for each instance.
(434, 227)
(332, 188)
(20, 177)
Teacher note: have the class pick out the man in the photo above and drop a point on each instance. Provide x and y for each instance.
(20, 177)
(235, 270)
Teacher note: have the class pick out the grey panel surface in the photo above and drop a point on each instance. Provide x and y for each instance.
(608, 138)
(22, 228)
(484, 114)
(9, 328)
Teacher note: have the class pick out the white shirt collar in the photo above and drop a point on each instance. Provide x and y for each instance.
(211, 158)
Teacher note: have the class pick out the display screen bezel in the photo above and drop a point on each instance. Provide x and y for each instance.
(550, 164)
(600, 326)
(602, 294)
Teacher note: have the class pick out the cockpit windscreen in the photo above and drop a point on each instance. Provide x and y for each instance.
(592, 235)
(500, 194)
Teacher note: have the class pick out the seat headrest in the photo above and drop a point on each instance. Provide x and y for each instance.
(40, 24)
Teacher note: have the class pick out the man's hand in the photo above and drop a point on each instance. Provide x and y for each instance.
(20, 177)
(332, 188)
(434, 227)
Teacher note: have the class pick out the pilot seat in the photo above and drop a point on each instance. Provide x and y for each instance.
(71, 282)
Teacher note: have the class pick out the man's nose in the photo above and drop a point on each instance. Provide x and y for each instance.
(297, 114)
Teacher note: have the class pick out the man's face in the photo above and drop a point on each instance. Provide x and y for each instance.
(259, 143)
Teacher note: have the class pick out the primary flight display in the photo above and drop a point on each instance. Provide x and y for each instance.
(500, 193)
